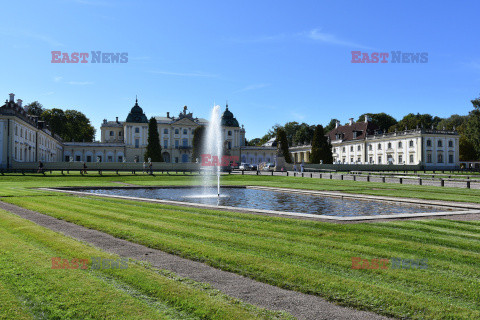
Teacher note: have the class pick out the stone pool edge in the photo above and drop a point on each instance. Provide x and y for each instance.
(470, 207)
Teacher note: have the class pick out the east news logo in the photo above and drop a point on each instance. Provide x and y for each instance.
(96, 57)
(395, 57)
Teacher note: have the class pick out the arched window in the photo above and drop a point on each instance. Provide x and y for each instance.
(137, 130)
(389, 145)
(411, 143)
(450, 143)
(429, 143)
(379, 146)
(440, 158)
(400, 144)
(439, 143)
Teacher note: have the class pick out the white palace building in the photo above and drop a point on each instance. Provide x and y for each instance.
(361, 143)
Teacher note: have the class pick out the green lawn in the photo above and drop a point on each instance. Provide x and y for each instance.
(31, 289)
(307, 256)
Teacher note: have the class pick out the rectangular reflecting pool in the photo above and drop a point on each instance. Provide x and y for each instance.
(268, 200)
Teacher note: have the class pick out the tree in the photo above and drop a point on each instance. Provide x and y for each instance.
(154, 150)
(283, 144)
(78, 127)
(382, 120)
(253, 142)
(472, 129)
(331, 125)
(35, 108)
(71, 125)
(198, 140)
(321, 148)
(454, 121)
(411, 121)
(303, 134)
(56, 120)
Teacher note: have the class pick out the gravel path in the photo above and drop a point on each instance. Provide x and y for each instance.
(301, 305)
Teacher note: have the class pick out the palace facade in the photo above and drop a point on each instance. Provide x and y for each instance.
(25, 139)
(126, 141)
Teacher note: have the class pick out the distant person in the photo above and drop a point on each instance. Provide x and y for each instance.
(294, 167)
(40, 167)
(84, 168)
(301, 167)
(150, 168)
(144, 166)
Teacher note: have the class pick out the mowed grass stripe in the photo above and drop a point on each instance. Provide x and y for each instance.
(43, 244)
(286, 270)
(12, 307)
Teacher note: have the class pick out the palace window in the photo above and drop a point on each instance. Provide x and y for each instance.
(137, 130)
(411, 158)
(229, 132)
(379, 160)
(351, 160)
(400, 144)
(351, 149)
(429, 158)
(400, 159)
(184, 131)
(185, 142)
(450, 158)
(379, 146)
(165, 144)
(165, 131)
(389, 145)
(411, 143)
(359, 148)
(370, 148)
(450, 143)
(343, 149)
(440, 158)
(176, 131)
(439, 143)
(111, 134)
(137, 143)
(371, 160)
(429, 143)
(120, 134)
(120, 159)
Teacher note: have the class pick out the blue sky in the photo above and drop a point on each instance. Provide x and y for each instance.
(274, 61)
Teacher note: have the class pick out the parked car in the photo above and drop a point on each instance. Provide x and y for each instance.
(245, 166)
(253, 167)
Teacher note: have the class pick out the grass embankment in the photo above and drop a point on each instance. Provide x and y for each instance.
(308, 256)
(31, 289)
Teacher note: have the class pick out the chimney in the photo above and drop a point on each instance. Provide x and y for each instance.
(168, 114)
(116, 119)
(367, 118)
(19, 102)
(105, 121)
(12, 97)
(337, 124)
(350, 121)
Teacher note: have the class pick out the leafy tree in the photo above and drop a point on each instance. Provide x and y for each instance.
(382, 120)
(254, 142)
(321, 149)
(411, 121)
(467, 149)
(56, 120)
(198, 142)
(454, 120)
(472, 129)
(70, 125)
(331, 125)
(78, 127)
(283, 144)
(154, 150)
(303, 134)
(35, 108)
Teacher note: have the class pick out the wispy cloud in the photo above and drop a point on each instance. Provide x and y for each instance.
(185, 74)
(80, 83)
(33, 35)
(315, 34)
(298, 116)
(253, 87)
(57, 79)
(49, 93)
(329, 38)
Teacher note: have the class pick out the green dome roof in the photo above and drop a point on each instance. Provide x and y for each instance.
(136, 115)
(228, 120)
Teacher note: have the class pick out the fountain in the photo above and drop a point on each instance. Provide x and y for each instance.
(213, 146)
